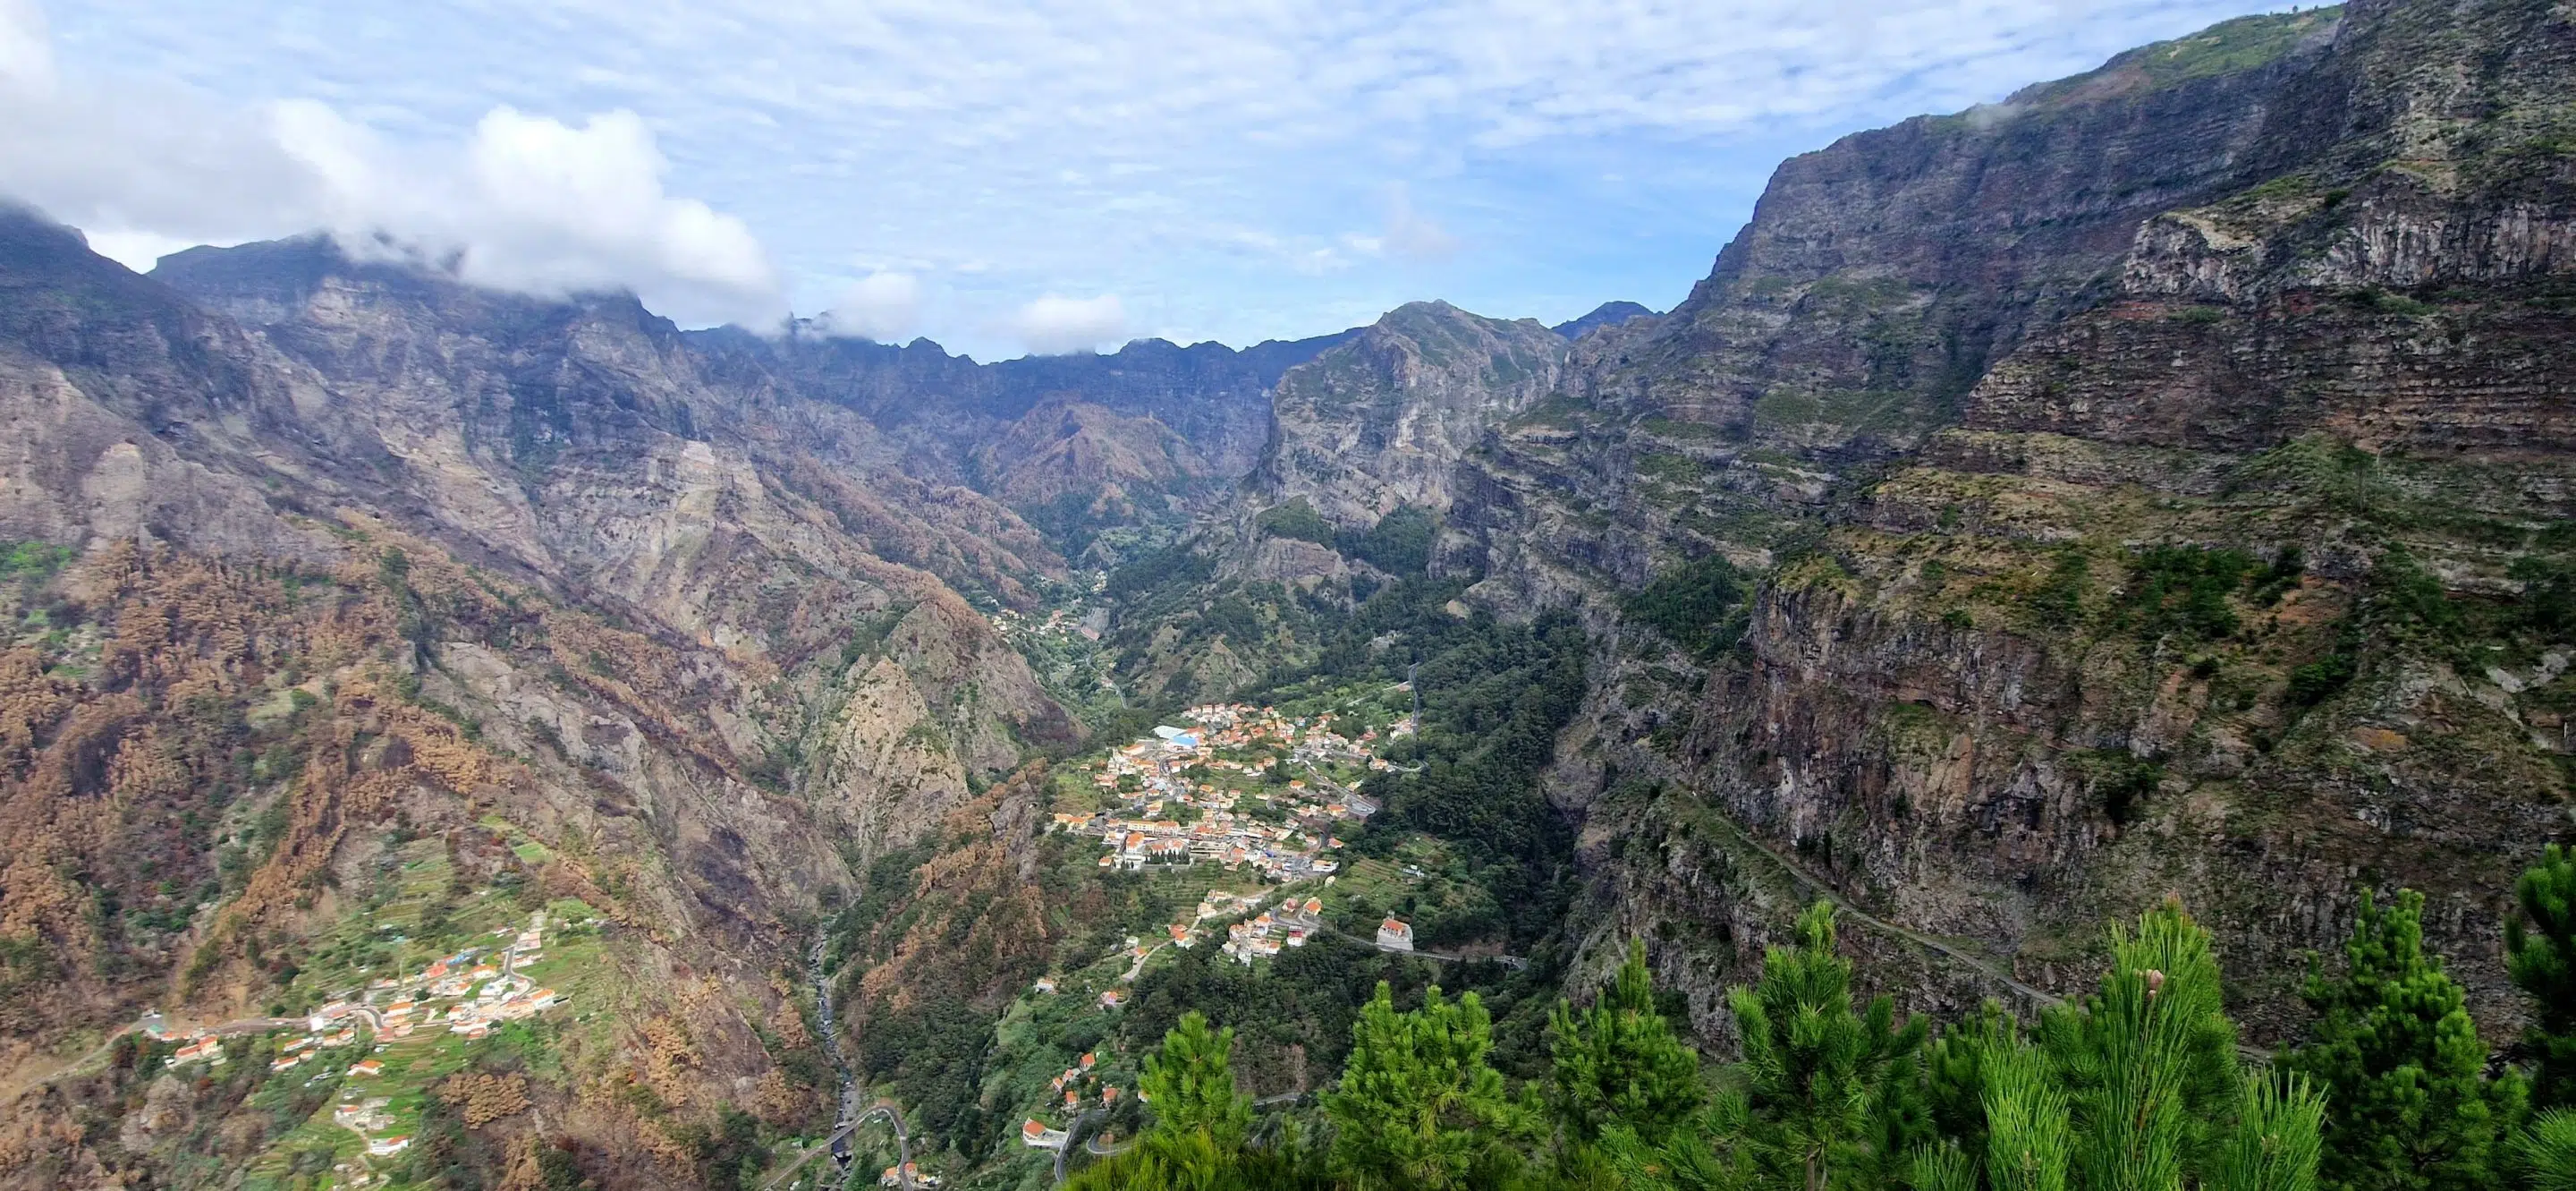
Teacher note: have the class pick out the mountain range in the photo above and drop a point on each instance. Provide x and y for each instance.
(2155, 484)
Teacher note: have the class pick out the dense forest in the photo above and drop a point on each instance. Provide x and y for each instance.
(2143, 1084)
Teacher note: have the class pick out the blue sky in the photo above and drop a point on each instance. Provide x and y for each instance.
(1047, 175)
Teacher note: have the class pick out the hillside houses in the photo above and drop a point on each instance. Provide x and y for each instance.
(469, 993)
(1286, 840)
(202, 1048)
(1035, 1135)
(1262, 935)
(908, 1175)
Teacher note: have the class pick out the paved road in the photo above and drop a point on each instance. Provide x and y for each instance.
(247, 1025)
(1094, 1148)
(1071, 1132)
(882, 1108)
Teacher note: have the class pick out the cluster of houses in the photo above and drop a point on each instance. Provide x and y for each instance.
(370, 1116)
(1037, 1134)
(1262, 935)
(298, 1051)
(468, 993)
(908, 1175)
(1291, 842)
(1076, 1079)
(479, 991)
(199, 1048)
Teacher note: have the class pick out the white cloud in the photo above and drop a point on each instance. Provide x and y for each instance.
(1054, 326)
(1410, 234)
(1214, 152)
(523, 203)
(138, 251)
(884, 306)
(26, 50)
(536, 206)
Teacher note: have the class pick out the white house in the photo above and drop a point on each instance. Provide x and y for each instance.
(1035, 1135)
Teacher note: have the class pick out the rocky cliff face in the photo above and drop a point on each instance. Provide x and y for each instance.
(2156, 484)
(2258, 323)
(1877, 280)
(1381, 421)
(1607, 314)
(2147, 486)
(358, 553)
(1365, 445)
(1155, 420)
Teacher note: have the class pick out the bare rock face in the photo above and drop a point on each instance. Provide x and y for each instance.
(1076, 450)
(695, 642)
(943, 415)
(2281, 298)
(1876, 282)
(1380, 421)
(585, 443)
(1367, 436)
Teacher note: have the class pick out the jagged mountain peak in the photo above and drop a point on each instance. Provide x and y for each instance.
(270, 281)
(1607, 314)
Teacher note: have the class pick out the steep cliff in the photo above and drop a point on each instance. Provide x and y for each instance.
(1363, 455)
(2156, 484)
(1876, 281)
(385, 557)
(1381, 421)
(1167, 426)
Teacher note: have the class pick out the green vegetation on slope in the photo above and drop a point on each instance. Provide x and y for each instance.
(2139, 1085)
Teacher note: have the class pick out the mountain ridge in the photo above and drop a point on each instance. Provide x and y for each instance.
(2153, 486)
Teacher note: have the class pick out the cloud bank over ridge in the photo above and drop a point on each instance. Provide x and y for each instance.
(523, 203)
(1241, 170)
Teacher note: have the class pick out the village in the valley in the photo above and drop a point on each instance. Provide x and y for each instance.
(468, 994)
(1179, 798)
(1261, 793)
(1212, 793)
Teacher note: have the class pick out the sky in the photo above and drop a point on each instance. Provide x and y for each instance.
(1040, 176)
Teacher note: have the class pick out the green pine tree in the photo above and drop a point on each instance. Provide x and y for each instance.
(1709, 1153)
(1194, 1162)
(2548, 1151)
(1619, 1062)
(2030, 1129)
(1200, 1126)
(1954, 1075)
(2135, 1088)
(1190, 1085)
(2410, 1107)
(1418, 1105)
(2277, 1139)
(2149, 1061)
(2540, 952)
(1819, 1075)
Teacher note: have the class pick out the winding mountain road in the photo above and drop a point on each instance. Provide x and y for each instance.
(28, 1083)
(887, 1109)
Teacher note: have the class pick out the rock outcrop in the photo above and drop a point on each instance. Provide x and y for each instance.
(2267, 315)
(1194, 419)
(1381, 421)
(2145, 475)
(357, 553)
